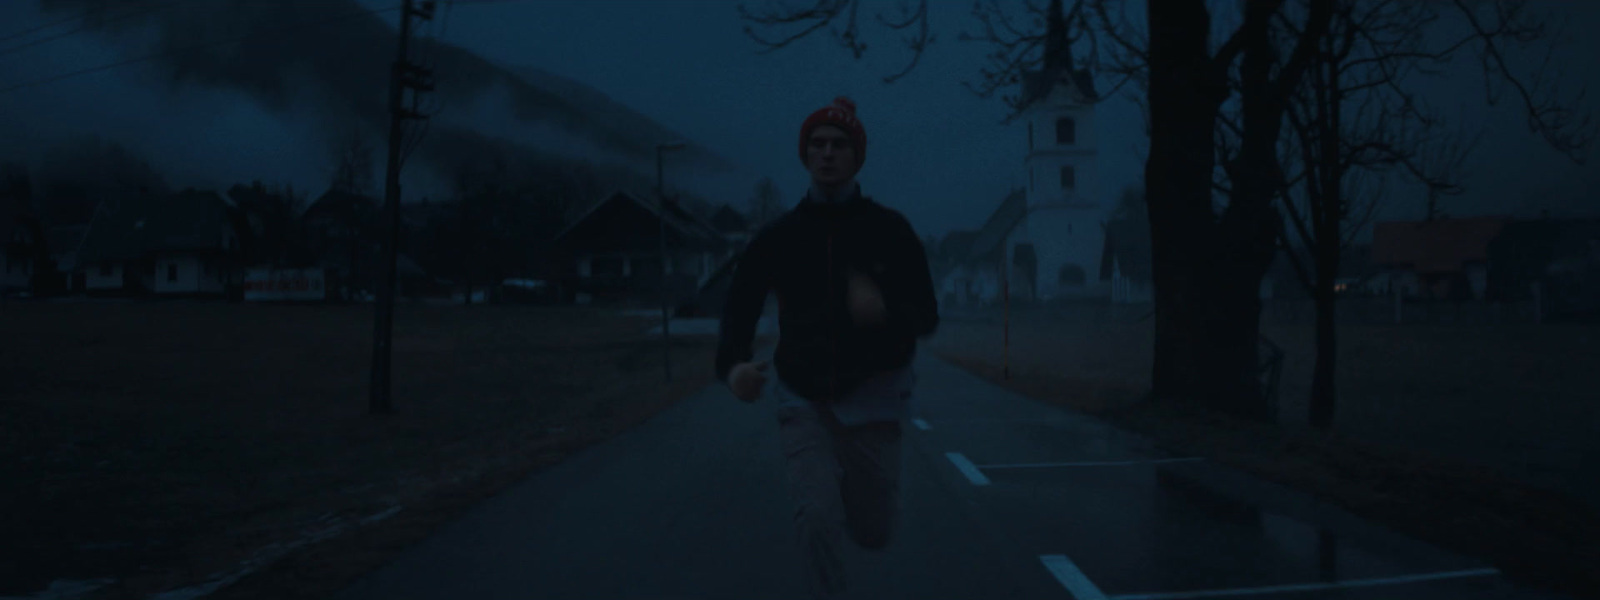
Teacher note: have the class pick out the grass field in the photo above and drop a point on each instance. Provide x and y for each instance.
(159, 444)
(1480, 438)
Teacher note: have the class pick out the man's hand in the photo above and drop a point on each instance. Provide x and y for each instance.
(866, 300)
(747, 379)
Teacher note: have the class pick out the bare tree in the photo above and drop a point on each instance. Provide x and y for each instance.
(272, 224)
(353, 167)
(802, 22)
(765, 203)
(1357, 117)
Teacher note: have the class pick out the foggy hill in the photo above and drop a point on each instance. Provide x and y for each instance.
(334, 55)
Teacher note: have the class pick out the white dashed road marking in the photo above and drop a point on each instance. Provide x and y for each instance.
(1093, 463)
(1310, 587)
(1071, 578)
(967, 468)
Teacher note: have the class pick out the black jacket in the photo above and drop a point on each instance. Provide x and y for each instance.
(804, 258)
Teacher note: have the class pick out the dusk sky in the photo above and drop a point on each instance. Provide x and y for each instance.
(936, 151)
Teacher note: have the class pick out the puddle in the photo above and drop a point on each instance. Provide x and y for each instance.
(65, 589)
(1314, 552)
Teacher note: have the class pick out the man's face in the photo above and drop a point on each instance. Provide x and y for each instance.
(830, 156)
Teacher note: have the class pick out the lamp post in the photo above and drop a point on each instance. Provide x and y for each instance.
(661, 220)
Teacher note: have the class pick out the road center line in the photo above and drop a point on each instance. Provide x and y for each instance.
(967, 468)
(1311, 587)
(1094, 463)
(1071, 577)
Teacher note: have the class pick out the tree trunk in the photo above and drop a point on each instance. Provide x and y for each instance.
(1246, 239)
(1322, 377)
(1184, 97)
(1229, 378)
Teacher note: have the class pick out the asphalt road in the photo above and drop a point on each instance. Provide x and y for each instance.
(1005, 498)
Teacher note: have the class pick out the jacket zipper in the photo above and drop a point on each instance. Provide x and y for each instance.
(833, 362)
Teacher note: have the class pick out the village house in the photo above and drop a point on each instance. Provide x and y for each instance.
(64, 242)
(1126, 262)
(974, 278)
(181, 244)
(612, 252)
(1440, 259)
(1552, 261)
(20, 246)
(733, 227)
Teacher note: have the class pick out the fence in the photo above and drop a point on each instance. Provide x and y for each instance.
(1386, 311)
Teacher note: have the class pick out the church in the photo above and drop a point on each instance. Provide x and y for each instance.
(1050, 234)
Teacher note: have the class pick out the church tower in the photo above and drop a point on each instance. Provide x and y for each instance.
(1056, 251)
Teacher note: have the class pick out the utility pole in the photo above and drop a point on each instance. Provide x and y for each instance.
(666, 311)
(402, 76)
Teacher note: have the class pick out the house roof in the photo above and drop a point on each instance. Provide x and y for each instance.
(340, 206)
(187, 220)
(992, 236)
(65, 239)
(728, 220)
(678, 218)
(1128, 242)
(1443, 246)
(957, 244)
(1536, 244)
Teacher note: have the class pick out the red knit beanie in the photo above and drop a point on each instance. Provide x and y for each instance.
(841, 114)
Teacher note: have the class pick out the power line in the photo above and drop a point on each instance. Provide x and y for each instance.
(84, 28)
(62, 21)
(92, 12)
(147, 57)
(432, 62)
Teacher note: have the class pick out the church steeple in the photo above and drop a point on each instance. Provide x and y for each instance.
(1057, 52)
(1058, 66)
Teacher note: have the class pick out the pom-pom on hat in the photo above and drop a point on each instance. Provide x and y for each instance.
(841, 114)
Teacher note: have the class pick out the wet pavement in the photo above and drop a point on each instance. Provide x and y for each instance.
(1004, 498)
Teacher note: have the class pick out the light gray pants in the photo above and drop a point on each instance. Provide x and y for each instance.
(842, 479)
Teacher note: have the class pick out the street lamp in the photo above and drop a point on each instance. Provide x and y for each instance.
(661, 219)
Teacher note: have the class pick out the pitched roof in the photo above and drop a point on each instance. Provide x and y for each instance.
(1128, 242)
(1443, 246)
(341, 206)
(956, 245)
(1538, 243)
(728, 220)
(188, 220)
(65, 239)
(1011, 211)
(678, 218)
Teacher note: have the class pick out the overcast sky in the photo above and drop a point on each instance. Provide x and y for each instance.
(936, 152)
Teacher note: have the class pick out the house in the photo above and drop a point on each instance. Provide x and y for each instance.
(975, 278)
(181, 244)
(64, 242)
(1443, 259)
(341, 231)
(20, 247)
(945, 257)
(1358, 275)
(1556, 261)
(732, 226)
(612, 252)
